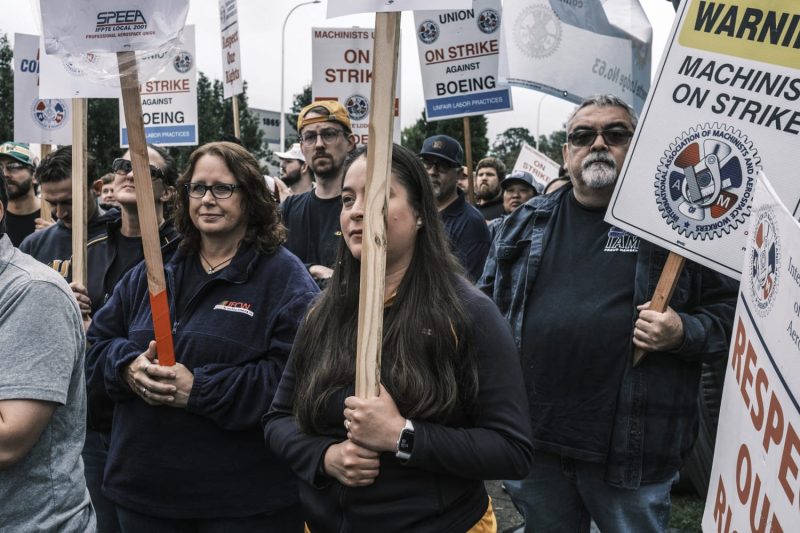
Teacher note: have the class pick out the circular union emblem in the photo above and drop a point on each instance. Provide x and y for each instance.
(764, 260)
(537, 31)
(704, 184)
(74, 64)
(49, 114)
(182, 62)
(428, 31)
(488, 21)
(357, 107)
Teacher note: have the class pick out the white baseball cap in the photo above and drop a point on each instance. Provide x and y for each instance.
(293, 153)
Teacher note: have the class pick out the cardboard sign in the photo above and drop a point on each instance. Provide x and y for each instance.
(711, 122)
(169, 102)
(459, 53)
(754, 479)
(542, 167)
(342, 70)
(576, 48)
(337, 8)
(232, 81)
(46, 121)
(81, 26)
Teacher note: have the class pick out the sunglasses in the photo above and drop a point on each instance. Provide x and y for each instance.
(613, 137)
(123, 167)
(440, 164)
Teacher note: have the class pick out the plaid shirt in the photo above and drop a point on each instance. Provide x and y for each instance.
(655, 424)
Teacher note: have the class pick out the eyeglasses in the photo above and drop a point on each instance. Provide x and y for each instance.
(309, 138)
(613, 137)
(440, 164)
(220, 191)
(13, 166)
(123, 167)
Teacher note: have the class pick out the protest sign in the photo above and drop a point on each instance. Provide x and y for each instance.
(342, 70)
(78, 76)
(169, 102)
(337, 8)
(722, 108)
(42, 121)
(458, 55)
(754, 478)
(577, 48)
(539, 165)
(232, 81)
(81, 26)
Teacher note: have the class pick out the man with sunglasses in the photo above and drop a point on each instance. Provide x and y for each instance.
(18, 164)
(442, 157)
(610, 438)
(312, 218)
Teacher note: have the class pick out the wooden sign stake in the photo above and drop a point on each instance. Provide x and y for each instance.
(79, 199)
(145, 204)
(663, 293)
(468, 153)
(236, 131)
(44, 206)
(379, 167)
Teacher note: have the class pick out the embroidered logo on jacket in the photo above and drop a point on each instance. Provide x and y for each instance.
(621, 241)
(235, 307)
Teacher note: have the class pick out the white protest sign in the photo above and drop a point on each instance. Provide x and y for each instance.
(337, 8)
(80, 26)
(542, 167)
(577, 48)
(724, 106)
(232, 81)
(169, 102)
(341, 70)
(458, 55)
(754, 479)
(47, 121)
(78, 76)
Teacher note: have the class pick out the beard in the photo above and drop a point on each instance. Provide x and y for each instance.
(598, 170)
(18, 189)
(486, 192)
(291, 178)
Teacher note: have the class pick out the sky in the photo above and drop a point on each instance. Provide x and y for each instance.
(260, 43)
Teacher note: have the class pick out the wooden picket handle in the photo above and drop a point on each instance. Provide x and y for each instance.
(379, 167)
(145, 204)
(468, 153)
(79, 199)
(236, 129)
(44, 206)
(663, 293)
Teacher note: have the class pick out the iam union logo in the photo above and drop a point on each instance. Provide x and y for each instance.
(537, 31)
(764, 261)
(49, 114)
(704, 185)
(428, 31)
(488, 21)
(357, 106)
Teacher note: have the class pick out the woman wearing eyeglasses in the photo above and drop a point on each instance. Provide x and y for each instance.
(186, 451)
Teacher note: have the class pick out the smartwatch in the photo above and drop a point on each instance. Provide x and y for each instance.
(405, 442)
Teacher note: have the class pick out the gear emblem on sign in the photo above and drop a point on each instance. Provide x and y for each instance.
(357, 107)
(537, 31)
(182, 62)
(704, 184)
(488, 21)
(764, 261)
(428, 31)
(49, 114)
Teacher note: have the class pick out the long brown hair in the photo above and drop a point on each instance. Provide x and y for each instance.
(264, 228)
(429, 365)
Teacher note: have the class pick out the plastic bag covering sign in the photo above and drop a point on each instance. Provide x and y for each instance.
(231, 58)
(43, 121)
(576, 48)
(80, 26)
(342, 70)
(725, 104)
(754, 478)
(69, 76)
(169, 102)
(458, 54)
(543, 169)
(337, 8)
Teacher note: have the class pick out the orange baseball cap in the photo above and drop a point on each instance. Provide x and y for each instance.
(336, 113)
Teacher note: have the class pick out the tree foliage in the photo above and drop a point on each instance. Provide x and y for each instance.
(550, 145)
(6, 90)
(413, 136)
(299, 102)
(508, 144)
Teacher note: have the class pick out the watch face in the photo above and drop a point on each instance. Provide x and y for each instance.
(406, 443)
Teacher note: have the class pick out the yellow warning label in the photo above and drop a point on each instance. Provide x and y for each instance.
(761, 30)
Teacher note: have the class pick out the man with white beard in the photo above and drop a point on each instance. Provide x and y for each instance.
(609, 438)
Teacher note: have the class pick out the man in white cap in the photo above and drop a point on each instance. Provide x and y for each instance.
(295, 173)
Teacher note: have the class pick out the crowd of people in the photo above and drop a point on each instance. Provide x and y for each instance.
(508, 332)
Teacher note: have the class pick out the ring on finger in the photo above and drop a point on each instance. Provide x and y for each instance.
(144, 391)
(347, 424)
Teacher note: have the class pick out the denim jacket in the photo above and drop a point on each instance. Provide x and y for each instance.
(656, 420)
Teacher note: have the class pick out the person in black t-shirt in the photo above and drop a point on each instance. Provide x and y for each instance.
(610, 438)
(312, 218)
(18, 164)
